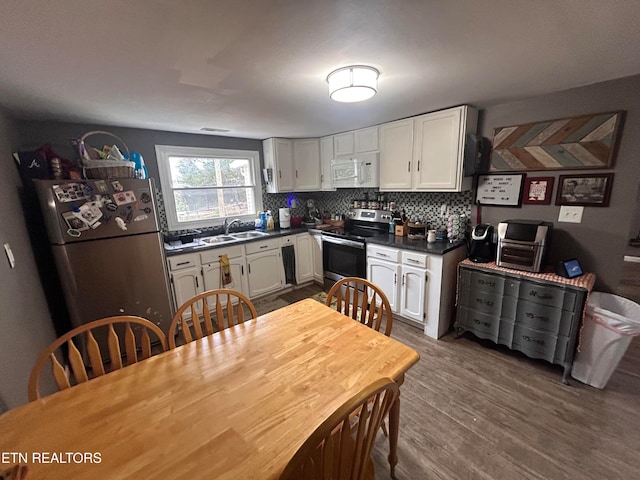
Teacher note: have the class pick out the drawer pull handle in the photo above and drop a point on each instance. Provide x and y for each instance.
(527, 338)
(412, 260)
(182, 263)
(537, 317)
(382, 255)
(544, 296)
(479, 322)
(489, 303)
(264, 246)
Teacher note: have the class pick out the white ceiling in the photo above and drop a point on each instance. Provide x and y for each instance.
(258, 68)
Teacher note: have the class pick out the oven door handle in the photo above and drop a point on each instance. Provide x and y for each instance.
(342, 241)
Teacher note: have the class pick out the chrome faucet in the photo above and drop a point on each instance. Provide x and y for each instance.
(228, 225)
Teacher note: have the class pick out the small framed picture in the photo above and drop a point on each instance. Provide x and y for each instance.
(538, 190)
(589, 190)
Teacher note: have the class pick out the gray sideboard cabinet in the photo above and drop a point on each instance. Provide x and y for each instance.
(536, 314)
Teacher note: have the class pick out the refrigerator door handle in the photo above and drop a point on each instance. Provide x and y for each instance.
(69, 277)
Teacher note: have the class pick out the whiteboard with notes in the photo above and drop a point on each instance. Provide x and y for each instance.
(504, 190)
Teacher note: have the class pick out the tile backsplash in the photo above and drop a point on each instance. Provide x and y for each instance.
(420, 205)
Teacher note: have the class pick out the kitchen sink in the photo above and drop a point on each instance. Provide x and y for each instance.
(218, 239)
(251, 234)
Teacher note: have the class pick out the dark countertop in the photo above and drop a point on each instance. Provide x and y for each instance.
(439, 247)
(197, 245)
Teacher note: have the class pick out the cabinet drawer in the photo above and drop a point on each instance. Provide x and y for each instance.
(213, 255)
(182, 261)
(288, 240)
(539, 317)
(482, 325)
(383, 253)
(414, 259)
(262, 246)
(553, 296)
(537, 344)
(482, 302)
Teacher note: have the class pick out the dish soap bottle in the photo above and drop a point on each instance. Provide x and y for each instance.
(270, 221)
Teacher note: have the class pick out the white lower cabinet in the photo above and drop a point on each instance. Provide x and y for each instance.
(316, 246)
(264, 267)
(304, 258)
(185, 277)
(193, 273)
(420, 287)
(212, 271)
(412, 293)
(385, 275)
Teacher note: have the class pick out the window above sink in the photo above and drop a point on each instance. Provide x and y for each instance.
(202, 186)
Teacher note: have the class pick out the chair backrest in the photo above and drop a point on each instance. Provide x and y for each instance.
(210, 312)
(134, 349)
(340, 448)
(362, 300)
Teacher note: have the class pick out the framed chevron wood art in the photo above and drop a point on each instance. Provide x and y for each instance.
(575, 143)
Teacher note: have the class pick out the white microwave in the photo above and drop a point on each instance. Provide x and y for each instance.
(358, 171)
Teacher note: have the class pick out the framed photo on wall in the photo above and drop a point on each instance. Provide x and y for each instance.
(538, 190)
(589, 190)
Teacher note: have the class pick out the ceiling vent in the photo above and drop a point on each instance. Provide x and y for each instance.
(217, 130)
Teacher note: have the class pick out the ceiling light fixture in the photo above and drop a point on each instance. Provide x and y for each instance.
(353, 84)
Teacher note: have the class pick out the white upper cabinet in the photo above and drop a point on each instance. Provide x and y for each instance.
(326, 155)
(343, 144)
(295, 164)
(366, 140)
(356, 141)
(426, 153)
(420, 154)
(396, 155)
(438, 148)
(278, 156)
(306, 161)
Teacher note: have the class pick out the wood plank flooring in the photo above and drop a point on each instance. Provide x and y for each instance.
(473, 410)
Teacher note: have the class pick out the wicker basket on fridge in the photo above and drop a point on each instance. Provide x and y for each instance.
(104, 168)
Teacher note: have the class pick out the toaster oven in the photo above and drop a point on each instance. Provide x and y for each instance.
(523, 244)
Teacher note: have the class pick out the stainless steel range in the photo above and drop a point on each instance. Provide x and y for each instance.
(344, 250)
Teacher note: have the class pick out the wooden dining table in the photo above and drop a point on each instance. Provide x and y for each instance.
(233, 405)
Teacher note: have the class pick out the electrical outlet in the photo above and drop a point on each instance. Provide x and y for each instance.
(570, 214)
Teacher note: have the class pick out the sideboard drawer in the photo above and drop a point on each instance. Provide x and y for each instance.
(481, 301)
(482, 325)
(486, 283)
(537, 344)
(539, 317)
(552, 296)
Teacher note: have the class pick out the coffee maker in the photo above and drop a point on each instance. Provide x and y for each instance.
(482, 248)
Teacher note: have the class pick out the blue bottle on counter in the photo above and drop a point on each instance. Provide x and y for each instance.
(392, 226)
(263, 220)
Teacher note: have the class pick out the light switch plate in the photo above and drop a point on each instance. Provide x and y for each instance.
(570, 214)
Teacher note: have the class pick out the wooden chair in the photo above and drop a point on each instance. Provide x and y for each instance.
(363, 301)
(214, 310)
(340, 449)
(66, 378)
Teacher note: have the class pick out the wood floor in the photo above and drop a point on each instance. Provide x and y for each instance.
(472, 410)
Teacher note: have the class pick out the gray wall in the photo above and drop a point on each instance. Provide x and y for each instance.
(600, 240)
(25, 322)
(34, 134)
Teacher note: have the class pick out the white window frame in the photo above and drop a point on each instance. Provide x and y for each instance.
(163, 152)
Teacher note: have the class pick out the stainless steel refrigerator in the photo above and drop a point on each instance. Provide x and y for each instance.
(108, 250)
